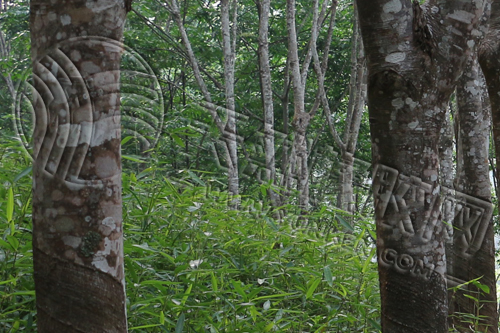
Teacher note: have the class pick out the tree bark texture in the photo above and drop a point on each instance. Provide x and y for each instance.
(267, 97)
(415, 55)
(489, 59)
(77, 211)
(356, 106)
(298, 76)
(473, 179)
(301, 118)
(229, 52)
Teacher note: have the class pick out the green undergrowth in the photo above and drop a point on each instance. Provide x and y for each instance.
(195, 265)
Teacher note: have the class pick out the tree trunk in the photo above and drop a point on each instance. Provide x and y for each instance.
(356, 106)
(228, 129)
(414, 59)
(473, 179)
(229, 50)
(77, 211)
(301, 118)
(489, 59)
(267, 97)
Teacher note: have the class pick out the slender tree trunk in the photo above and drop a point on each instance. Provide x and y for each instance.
(357, 98)
(227, 129)
(229, 50)
(4, 54)
(301, 118)
(414, 60)
(473, 179)
(286, 177)
(267, 97)
(77, 211)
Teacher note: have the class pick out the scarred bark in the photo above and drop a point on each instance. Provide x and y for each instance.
(473, 179)
(414, 56)
(77, 217)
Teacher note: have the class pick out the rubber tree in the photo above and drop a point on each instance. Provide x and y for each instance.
(489, 59)
(472, 179)
(355, 108)
(264, 7)
(77, 207)
(228, 128)
(298, 75)
(415, 55)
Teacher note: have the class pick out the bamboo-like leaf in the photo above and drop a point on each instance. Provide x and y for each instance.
(23, 173)
(312, 288)
(196, 178)
(344, 223)
(134, 158)
(10, 204)
(180, 323)
(178, 140)
(214, 282)
(328, 275)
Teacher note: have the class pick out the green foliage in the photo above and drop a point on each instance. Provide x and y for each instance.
(194, 265)
(471, 322)
(192, 261)
(17, 295)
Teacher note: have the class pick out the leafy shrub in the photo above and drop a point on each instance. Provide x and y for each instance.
(194, 265)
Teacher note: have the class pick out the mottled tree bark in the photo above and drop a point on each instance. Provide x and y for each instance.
(414, 56)
(472, 178)
(77, 211)
(489, 59)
